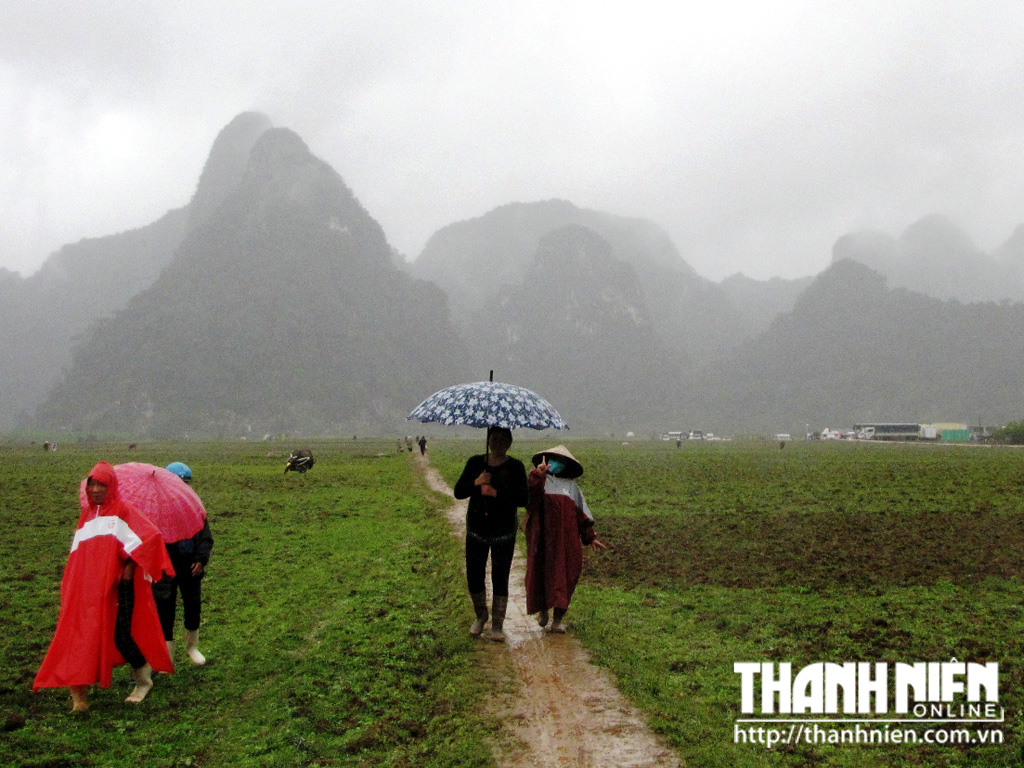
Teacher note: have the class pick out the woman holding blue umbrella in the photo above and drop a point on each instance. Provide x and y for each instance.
(495, 484)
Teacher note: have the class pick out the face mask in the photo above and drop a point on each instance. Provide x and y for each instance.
(555, 466)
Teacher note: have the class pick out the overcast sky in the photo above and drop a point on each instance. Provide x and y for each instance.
(755, 133)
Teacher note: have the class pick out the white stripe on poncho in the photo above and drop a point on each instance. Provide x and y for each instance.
(560, 486)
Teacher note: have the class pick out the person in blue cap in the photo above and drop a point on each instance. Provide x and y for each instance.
(189, 558)
(181, 470)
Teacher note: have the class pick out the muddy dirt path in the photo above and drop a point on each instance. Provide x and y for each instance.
(565, 711)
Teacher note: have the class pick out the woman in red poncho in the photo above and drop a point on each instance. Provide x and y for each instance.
(558, 523)
(107, 613)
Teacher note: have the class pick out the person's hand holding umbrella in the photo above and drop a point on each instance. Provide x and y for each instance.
(483, 481)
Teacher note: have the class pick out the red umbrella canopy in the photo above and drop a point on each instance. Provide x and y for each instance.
(167, 500)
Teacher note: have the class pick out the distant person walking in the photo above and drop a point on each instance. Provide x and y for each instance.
(558, 523)
(495, 484)
(107, 615)
(189, 558)
(423, 445)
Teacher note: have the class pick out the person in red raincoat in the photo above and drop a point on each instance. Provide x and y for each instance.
(558, 523)
(107, 614)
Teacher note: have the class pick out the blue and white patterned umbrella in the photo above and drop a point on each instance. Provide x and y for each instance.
(489, 404)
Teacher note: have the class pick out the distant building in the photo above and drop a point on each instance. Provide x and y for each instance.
(953, 433)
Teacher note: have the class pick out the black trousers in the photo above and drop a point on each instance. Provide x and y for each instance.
(123, 641)
(165, 593)
(500, 551)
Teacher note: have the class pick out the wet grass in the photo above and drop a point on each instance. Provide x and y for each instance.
(727, 552)
(335, 609)
(331, 598)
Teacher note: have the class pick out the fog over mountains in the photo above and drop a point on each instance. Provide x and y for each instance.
(272, 303)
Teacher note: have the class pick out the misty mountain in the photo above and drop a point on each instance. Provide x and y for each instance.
(281, 312)
(475, 260)
(44, 315)
(478, 261)
(273, 303)
(226, 165)
(935, 257)
(854, 349)
(78, 284)
(578, 330)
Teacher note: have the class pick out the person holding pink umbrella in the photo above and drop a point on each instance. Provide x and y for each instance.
(189, 556)
(164, 497)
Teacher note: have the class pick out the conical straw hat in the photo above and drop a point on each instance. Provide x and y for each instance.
(573, 468)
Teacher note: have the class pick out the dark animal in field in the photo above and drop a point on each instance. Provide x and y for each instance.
(299, 461)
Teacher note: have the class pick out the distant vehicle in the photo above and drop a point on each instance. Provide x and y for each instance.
(697, 434)
(782, 437)
(300, 461)
(888, 431)
(830, 434)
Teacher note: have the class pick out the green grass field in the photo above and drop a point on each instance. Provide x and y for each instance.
(333, 619)
(818, 552)
(335, 613)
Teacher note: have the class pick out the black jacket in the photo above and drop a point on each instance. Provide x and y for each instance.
(493, 516)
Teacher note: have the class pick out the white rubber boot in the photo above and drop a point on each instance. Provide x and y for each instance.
(143, 677)
(192, 648)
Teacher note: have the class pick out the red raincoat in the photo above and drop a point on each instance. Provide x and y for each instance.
(82, 651)
(558, 525)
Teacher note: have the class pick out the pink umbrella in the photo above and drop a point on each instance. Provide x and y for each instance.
(162, 496)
